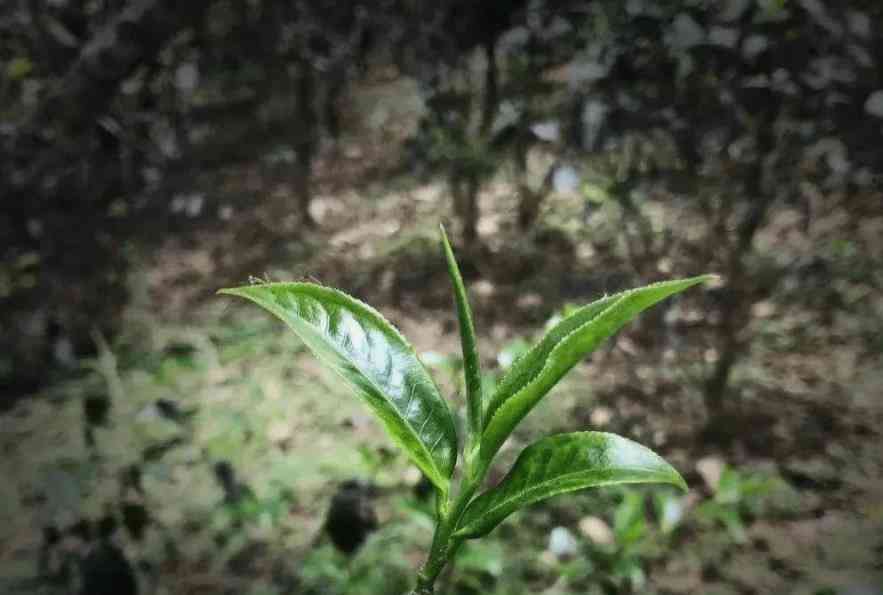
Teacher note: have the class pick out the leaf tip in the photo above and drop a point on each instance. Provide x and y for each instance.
(714, 279)
(680, 483)
(236, 291)
(446, 243)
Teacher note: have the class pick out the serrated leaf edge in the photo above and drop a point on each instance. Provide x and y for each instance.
(468, 344)
(536, 347)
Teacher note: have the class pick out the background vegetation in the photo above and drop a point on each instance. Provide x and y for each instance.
(152, 151)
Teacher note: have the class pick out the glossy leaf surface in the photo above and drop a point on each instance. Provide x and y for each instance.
(355, 341)
(471, 367)
(565, 463)
(565, 345)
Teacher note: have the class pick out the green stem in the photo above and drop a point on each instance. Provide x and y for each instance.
(444, 545)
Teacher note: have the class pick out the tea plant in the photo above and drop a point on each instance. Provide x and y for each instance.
(381, 367)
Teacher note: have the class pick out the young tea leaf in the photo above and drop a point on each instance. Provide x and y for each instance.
(372, 357)
(565, 463)
(471, 367)
(565, 345)
(528, 365)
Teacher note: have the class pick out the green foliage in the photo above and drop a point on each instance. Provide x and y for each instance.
(564, 346)
(471, 367)
(382, 567)
(255, 510)
(622, 561)
(375, 360)
(565, 463)
(737, 496)
(512, 352)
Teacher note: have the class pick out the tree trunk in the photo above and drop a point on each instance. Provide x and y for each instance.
(464, 189)
(736, 309)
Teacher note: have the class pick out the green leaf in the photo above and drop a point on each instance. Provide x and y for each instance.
(355, 341)
(565, 463)
(564, 346)
(471, 366)
(530, 362)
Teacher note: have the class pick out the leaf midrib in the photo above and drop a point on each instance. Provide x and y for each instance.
(514, 397)
(371, 381)
(530, 380)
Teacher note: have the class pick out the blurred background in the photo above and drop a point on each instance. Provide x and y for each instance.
(161, 440)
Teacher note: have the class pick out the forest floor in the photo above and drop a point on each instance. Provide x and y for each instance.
(790, 502)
